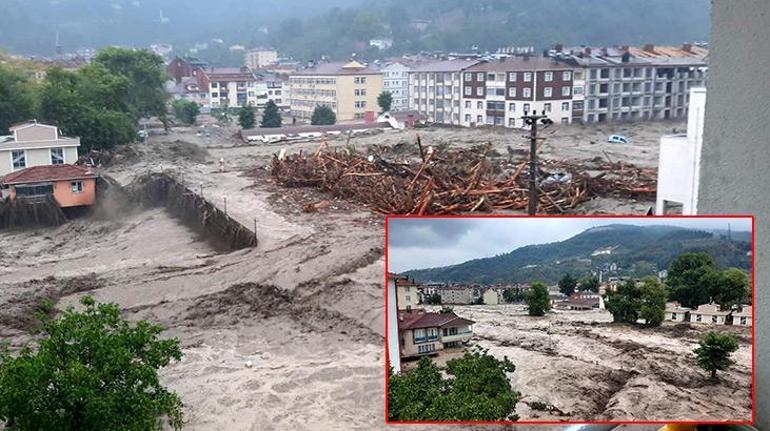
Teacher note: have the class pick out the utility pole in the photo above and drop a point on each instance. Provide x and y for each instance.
(532, 120)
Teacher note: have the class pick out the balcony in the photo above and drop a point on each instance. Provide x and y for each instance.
(460, 336)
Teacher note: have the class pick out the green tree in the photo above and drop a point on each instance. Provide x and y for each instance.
(247, 117)
(652, 301)
(385, 100)
(271, 117)
(92, 370)
(323, 115)
(510, 295)
(145, 73)
(477, 389)
(185, 111)
(714, 352)
(733, 288)
(685, 275)
(17, 98)
(433, 299)
(567, 284)
(624, 303)
(446, 310)
(589, 284)
(538, 299)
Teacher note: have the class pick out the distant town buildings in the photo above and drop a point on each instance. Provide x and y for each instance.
(258, 58)
(381, 44)
(229, 87)
(349, 89)
(435, 90)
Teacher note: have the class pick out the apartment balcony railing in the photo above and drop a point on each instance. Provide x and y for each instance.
(460, 336)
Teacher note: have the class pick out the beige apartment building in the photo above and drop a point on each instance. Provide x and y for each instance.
(349, 89)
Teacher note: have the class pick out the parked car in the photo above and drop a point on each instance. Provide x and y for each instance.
(617, 139)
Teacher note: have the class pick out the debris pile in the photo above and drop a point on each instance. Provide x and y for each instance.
(458, 181)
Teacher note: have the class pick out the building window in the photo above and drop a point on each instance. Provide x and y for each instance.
(566, 75)
(547, 91)
(744, 320)
(432, 334)
(467, 118)
(479, 119)
(564, 120)
(527, 93)
(565, 106)
(490, 76)
(699, 318)
(512, 76)
(527, 76)
(548, 76)
(526, 108)
(468, 91)
(547, 107)
(480, 77)
(19, 158)
(479, 105)
(714, 319)
(57, 156)
(467, 104)
(468, 76)
(479, 91)
(77, 186)
(512, 107)
(511, 122)
(673, 316)
(565, 91)
(512, 92)
(419, 336)
(214, 85)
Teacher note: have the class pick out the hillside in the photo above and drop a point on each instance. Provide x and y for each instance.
(637, 251)
(338, 28)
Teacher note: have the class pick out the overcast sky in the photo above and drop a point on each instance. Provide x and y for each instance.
(416, 243)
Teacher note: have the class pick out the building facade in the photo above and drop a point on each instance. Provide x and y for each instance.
(35, 144)
(349, 89)
(395, 79)
(435, 90)
(676, 313)
(229, 87)
(498, 93)
(632, 84)
(258, 58)
(709, 313)
(456, 295)
(69, 185)
(424, 333)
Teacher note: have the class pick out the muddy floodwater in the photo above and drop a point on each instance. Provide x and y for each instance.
(578, 365)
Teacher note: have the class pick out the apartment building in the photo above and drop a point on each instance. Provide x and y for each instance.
(349, 89)
(628, 83)
(258, 58)
(435, 90)
(229, 87)
(395, 79)
(407, 293)
(499, 92)
(272, 86)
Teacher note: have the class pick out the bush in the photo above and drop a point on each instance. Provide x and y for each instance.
(185, 111)
(323, 115)
(92, 370)
(714, 352)
(247, 117)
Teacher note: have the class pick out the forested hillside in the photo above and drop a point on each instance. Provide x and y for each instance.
(338, 28)
(637, 251)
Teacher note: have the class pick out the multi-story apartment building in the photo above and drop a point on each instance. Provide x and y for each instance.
(395, 79)
(229, 87)
(628, 83)
(499, 92)
(349, 89)
(271, 86)
(435, 90)
(258, 58)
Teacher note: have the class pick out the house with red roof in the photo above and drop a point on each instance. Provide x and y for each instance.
(426, 333)
(69, 185)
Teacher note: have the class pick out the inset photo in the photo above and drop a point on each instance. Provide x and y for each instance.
(570, 319)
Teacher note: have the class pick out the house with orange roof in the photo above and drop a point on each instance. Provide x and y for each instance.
(69, 185)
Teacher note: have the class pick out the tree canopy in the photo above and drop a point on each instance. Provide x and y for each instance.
(247, 117)
(589, 284)
(385, 100)
(632, 301)
(567, 284)
(694, 279)
(538, 299)
(17, 98)
(652, 301)
(92, 370)
(477, 389)
(323, 115)
(271, 116)
(714, 352)
(185, 111)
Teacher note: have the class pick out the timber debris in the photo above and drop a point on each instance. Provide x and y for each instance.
(458, 181)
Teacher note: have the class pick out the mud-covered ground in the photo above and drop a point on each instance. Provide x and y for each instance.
(579, 366)
(306, 306)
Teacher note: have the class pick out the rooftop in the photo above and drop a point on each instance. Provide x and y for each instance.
(339, 68)
(444, 66)
(422, 319)
(520, 63)
(48, 173)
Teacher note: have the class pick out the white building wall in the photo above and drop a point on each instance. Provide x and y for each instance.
(679, 161)
(396, 81)
(394, 354)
